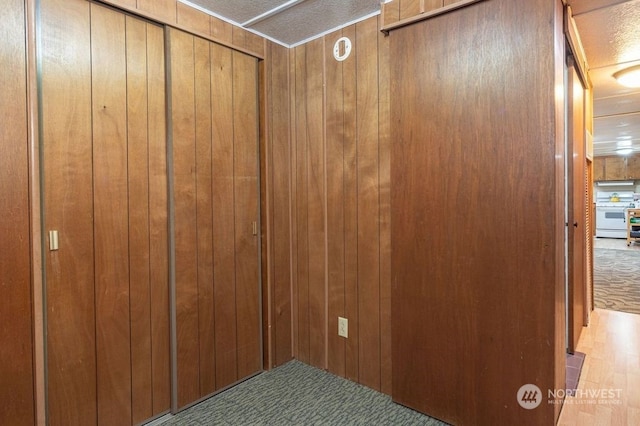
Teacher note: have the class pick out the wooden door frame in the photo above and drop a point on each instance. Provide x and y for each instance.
(576, 291)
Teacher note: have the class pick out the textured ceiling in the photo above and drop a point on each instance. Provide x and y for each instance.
(610, 34)
(289, 22)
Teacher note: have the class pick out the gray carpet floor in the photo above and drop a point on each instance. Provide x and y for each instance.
(616, 280)
(297, 394)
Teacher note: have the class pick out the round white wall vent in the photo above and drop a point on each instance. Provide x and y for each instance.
(342, 49)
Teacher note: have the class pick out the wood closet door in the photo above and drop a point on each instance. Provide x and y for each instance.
(104, 148)
(16, 349)
(215, 187)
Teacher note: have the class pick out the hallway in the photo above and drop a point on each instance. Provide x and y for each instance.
(609, 387)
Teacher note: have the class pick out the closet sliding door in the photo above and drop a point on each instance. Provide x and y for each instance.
(214, 116)
(16, 349)
(105, 204)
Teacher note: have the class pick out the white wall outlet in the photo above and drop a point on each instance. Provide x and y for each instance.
(343, 327)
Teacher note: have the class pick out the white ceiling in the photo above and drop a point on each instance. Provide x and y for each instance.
(289, 22)
(610, 34)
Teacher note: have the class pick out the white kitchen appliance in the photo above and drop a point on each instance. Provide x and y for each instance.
(611, 221)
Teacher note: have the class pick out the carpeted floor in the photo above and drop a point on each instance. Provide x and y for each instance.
(616, 280)
(296, 394)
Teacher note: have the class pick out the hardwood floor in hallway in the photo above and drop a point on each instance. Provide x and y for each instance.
(609, 388)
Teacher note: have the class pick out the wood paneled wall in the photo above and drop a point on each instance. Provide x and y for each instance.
(398, 10)
(17, 406)
(340, 205)
(214, 112)
(576, 186)
(182, 16)
(276, 152)
(105, 191)
(478, 304)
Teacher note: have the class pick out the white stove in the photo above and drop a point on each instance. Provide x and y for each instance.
(611, 207)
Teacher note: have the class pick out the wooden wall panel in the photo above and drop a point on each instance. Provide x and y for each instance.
(335, 198)
(316, 207)
(224, 255)
(338, 138)
(279, 169)
(301, 284)
(184, 182)
(147, 220)
(368, 239)
(409, 8)
(576, 271)
(384, 181)
(16, 352)
(194, 19)
(448, 270)
(138, 181)
(185, 17)
(350, 166)
(110, 209)
(158, 220)
(68, 203)
(221, 30)
(390, 12)
(246, 196)
(163, 9)
(204, 215)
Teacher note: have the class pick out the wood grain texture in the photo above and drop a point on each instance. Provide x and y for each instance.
(246, 190)
(350, 167)
(429, 5)
(559, 210)
(615, 168)
(316, 203)
(196, 20)
(110, 209)
(295, 261)
(221, 30)
(633, 167)
(598, 169)
(166, 10)
(186, 230)
(447, 268)
(302, 200)
(335, 201)
(281, 172)
(409, 8)
(224, 255)
(138, 212)
(576, 271)
(68, 205)
(158, 220)
(247, 40)
(125, 210)
(384, 176)
(266, 212)
(390, 12)
(16, 351)
(355, 274)
(368, 239)
(204, 215)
